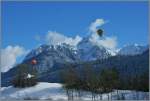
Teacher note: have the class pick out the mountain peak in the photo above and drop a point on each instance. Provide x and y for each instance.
(132, 49)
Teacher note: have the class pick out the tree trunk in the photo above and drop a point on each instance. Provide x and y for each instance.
(111, 96)
(100, 96)
(117, 94)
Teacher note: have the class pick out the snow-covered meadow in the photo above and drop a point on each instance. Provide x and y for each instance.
(55, 91)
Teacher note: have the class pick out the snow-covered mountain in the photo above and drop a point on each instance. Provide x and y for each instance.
(62, 49)
(89, 51)
(85, 51)
(48, 56)
(132, 49)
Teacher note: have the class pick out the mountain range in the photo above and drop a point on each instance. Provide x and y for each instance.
(51, 59)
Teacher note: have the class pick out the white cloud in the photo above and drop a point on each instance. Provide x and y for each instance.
(107, 42)
(9, 56)
(57, 38)
(95, 24)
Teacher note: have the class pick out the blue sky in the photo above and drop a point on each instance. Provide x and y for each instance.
(23, 21)
(25, 25)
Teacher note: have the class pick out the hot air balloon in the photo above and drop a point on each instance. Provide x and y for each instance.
(33, 62)
(100, 32)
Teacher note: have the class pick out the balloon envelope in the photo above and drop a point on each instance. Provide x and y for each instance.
(100, 32)
(33, 62)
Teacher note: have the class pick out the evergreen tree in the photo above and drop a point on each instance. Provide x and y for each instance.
(25, 76)
(109, 80)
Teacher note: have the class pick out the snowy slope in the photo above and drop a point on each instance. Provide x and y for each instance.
(54, 91)
(40, 91)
